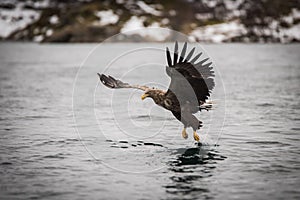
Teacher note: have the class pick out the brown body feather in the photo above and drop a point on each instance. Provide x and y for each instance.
(171, 103)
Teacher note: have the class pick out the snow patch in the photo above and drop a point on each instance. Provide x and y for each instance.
(41, 4)
(296, 13)
(107, 17)
(233, 4)
(292, 17)
(219, 32)
(165, 21)
(288, 34)
(16, 19)
(135, 25)
(203, 16)
(54, 19)
(148, 9)
(120, 1)
(293, 32)
(49, 32)
(172, 12)
(38, 38)
(210, 3)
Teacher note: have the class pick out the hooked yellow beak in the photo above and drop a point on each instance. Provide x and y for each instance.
(144, 96)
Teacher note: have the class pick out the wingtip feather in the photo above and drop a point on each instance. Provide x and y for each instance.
(189, 55)
(169, 60)
(175, 53)
(183, 52)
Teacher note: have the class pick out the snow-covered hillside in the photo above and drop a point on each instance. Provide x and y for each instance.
(14, 16)
(202, 20)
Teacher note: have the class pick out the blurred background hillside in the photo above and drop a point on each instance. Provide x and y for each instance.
(202, 20)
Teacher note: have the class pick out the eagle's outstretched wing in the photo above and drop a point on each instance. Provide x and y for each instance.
(113, 83)
(191, 81)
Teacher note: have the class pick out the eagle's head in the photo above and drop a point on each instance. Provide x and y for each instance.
(149, 93)
(155, 94)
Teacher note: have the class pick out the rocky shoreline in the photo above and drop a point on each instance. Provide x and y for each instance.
(213, 21)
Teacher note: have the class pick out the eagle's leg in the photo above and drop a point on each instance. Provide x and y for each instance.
(196, 136)
(184, 133)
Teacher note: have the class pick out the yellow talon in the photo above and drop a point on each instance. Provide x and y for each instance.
(196, 136)
(184, 133)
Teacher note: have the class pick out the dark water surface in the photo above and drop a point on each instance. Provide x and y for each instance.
(119, 147)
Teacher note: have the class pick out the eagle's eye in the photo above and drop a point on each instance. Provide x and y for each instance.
(168, 102)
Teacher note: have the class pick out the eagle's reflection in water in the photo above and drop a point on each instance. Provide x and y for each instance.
(191, 169)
